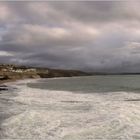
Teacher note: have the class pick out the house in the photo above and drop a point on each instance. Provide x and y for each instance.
(30, 70)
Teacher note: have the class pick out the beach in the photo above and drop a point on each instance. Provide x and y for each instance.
(37, 113)
(8, 91)
(69, 70)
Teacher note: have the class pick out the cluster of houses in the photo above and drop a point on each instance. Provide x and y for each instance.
(11, 68)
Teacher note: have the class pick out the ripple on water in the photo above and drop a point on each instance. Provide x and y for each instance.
(59, 115)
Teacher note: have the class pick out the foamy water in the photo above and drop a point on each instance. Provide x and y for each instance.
(64, 115)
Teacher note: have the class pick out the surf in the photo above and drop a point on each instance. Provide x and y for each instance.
(57, 115)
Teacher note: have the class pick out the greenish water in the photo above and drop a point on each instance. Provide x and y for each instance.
(77, 108)
(109, 83)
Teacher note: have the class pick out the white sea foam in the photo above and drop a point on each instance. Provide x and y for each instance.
(62, 115)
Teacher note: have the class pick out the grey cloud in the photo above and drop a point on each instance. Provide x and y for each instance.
(101, 11)
(92, 36)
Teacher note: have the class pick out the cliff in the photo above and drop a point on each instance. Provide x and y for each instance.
(14, 72)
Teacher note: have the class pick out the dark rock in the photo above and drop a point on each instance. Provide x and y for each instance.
(3, 88)
(133, 100)
(4, 77)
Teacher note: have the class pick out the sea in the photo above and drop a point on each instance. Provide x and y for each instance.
(77, 108)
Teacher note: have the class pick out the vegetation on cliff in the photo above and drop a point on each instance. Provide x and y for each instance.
(21, 72)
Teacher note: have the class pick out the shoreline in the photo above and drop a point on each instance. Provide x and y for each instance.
(7, 104)
(48, 112)
(10, 80)
(4, 84)
(32, 110)
(6, 81)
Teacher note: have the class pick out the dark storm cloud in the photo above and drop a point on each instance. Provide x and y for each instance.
(94, 36)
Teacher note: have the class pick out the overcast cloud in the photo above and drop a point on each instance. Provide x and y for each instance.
(93, 36)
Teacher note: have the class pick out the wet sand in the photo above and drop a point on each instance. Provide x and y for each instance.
(2, 82)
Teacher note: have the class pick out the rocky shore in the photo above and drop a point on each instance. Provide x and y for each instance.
(15, 72)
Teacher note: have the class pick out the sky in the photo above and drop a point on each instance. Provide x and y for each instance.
(101, 36)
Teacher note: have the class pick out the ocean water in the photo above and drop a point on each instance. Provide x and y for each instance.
(78, 108)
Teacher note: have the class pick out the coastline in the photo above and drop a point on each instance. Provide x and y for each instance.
(34, 113)
(5, 83)
(13, 80)
(6, 93)
(7, 104)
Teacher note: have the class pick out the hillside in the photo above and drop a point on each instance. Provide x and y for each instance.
(14, 72)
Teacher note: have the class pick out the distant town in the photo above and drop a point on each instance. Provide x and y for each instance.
(14, 72)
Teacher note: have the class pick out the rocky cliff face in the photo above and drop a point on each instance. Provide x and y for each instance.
(22, 72)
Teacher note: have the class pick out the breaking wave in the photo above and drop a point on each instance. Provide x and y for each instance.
(64, 115)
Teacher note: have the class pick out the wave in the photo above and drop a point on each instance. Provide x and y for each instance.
(64, 115)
